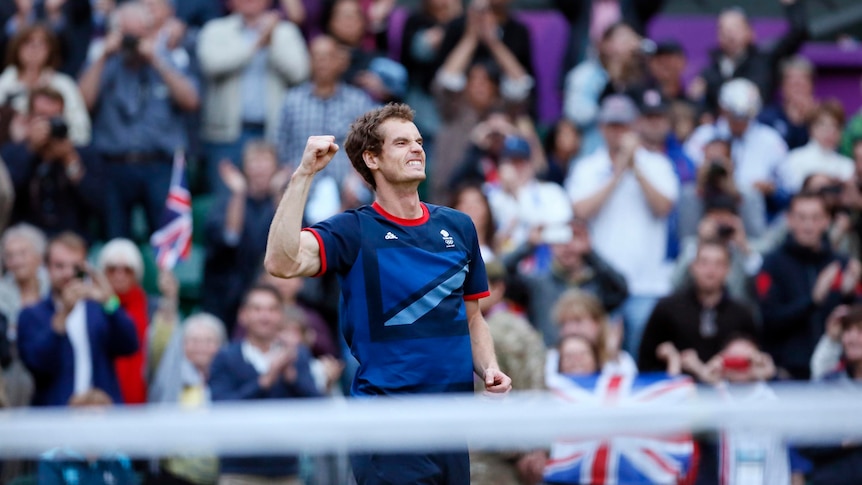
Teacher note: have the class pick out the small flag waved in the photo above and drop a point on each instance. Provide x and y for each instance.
(172, 242)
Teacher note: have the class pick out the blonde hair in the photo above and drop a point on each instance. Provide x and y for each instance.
(33, 235)
(122, 252)
(579, 302)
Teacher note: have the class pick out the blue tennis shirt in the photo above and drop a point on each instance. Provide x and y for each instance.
(403, 286)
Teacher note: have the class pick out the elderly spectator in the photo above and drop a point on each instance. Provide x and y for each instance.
(25, 281)
(121, 262)
(70, 20)
(626, 181)
(250, 60)
(758, 151)
(520, 354)
(820, 154)
(34, 54)
(60, 186)
(236, 229)
(580, 313)
(325, 104)
(574, 264)
(380, 77)
(738, 56)
(800, 284)
(269, 363)
(138, 95)
(617, 67)
(70, 340)
(420, 55)
(791, 117)
(701, 317)
(182, 370)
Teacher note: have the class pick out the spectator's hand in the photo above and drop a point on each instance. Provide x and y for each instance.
(531, 467)
(740, 238)
(318, 152)
(372, 84)
(834, 329)
(38, 135)
(74, 291)
(696, 89)
(333, 368)
(62, 151)
(113, 42)
(667, 353)
(625, 157)
(765, 188)
(233, 179)
(147, 50)
(850, 276)
(176, 30)
(824, 282)
(496, 382)
(169, 287)
(711, 372)
(98, 288)
(378, 14)
(473, 25)
(266, 26)
(762, 367)
(488, 28)
(433, 37)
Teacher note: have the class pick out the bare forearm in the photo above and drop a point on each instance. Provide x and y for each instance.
(283, 243)
(235, 214)
(89, 83)
(658, 203)
(294, 11)
(182, 90)
(588, 208)
(460, 57)
(483, 346)
(507, 61)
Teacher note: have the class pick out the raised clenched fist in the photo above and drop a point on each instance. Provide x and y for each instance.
(319, 151)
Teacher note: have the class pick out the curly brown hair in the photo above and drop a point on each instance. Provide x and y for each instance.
(364, 136)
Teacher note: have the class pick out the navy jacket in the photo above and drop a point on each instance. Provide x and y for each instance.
(232, 378)
(49, 356)
(792, 322)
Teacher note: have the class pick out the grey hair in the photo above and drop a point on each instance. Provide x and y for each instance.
(206, 321)
(33, 235)
(122, 252)
(797, 63)
(128, 8)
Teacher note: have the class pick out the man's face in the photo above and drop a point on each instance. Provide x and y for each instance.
(709, 268)
(200, 346)
(797, 83)
(734, 34)
(329, 61)
(249, 8)
(667, 67)
(808, 222)
(262, 316)
(481, 91)
(654, 128)
(402, 157)
(826, 131)
(737, 125)
(347, 23)
(63, 263)
(613, 134)
(20, 258)
(258, 168)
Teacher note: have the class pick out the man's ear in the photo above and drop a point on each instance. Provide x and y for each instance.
(370, 160)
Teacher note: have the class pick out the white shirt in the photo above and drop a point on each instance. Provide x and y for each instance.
(535, 204)
(76, 330)
(625, 232)
(257, 358)
(813, 158)
(757, 154)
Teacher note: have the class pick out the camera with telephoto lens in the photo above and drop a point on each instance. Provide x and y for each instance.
(725, 231)
(129, 44)
(59, 128)
(716, 173)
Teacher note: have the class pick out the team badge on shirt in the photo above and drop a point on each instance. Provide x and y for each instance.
(450, 242)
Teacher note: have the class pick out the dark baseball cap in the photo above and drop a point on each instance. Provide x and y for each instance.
(669, 47)
(652, 103)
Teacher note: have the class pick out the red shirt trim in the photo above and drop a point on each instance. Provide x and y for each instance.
(403, 222)
(322, 251)
(478, 296)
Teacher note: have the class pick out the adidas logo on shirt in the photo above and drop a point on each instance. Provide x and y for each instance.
(389, 235)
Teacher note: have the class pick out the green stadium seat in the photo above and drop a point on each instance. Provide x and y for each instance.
(201, 205)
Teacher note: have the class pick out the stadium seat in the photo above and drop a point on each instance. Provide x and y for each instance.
(201, 205)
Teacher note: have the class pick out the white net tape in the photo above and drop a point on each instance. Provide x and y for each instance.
(519, 421)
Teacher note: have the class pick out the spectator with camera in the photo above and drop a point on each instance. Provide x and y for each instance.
(69, 341)
(624, 181)
(139, 96)
(820, 155)
(800, 284)
(700, 317)
(757, 150)
(250, 60)
(59, 186)
(269, 363)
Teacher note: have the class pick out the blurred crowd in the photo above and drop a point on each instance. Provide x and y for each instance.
(707, 226)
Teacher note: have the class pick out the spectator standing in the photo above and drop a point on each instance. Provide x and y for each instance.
(624, 181)
(236, 230)
(25, 281)
(562, 145)
(34, 54)
(269, 363)
(800, 284)
(325, 103)
(250, 60)
(792, 116)
(700, 318)
(121, 262)
(820, 155)
(70, 340)
(60, 186)
(139, 97)
(666, 67)
(738, 56)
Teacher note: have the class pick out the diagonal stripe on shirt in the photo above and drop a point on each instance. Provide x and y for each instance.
(429, 300)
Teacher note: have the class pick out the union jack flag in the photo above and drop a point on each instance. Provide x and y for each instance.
(622, 460)
(172, 242)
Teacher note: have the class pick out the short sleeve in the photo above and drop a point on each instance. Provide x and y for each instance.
(339, 239)
(476, 283)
